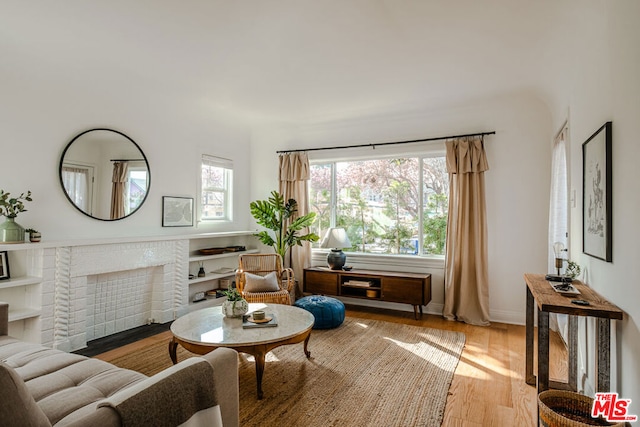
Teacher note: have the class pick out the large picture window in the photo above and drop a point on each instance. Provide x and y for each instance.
(388, 206)
(217, 178)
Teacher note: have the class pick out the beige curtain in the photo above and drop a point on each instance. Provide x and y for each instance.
(294, 174)
(119, 179)
(466, 295)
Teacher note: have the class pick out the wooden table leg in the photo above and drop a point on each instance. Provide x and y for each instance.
(259, 356)
(543, 351)
(306, 343)
(529, 376)
(573, 353)
(173, 345)
(603, 351)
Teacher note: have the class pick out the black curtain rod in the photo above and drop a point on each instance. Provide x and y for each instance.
(126, 160)
(379, 144)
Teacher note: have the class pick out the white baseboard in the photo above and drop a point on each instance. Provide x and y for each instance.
(501, 316)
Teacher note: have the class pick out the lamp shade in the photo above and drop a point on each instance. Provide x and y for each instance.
(336, 238)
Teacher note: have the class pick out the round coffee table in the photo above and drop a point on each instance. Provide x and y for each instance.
(204, 330)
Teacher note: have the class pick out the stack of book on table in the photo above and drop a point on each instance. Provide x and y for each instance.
(359, 283)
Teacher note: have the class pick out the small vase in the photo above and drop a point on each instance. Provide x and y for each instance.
(35, 237)
(11, 232)
(235, 308)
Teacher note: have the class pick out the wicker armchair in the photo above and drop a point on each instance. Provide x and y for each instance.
(263, 264)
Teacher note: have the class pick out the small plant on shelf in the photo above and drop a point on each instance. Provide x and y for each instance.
(34, 235)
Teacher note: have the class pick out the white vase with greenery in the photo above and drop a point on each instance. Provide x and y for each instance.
(235, 305)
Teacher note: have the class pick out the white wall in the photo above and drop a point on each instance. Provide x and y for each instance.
(517, 183)
(602, 84)
(42, 110)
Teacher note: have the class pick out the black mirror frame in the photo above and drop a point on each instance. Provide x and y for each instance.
(139, 149)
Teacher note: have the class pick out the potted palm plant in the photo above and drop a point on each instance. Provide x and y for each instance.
(280, 217)
(10, 207)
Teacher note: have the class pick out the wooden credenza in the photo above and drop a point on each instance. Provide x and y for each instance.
(389, 286)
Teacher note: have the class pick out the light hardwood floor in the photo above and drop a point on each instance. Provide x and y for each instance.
(488, 387)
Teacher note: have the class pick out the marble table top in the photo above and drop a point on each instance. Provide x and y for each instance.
(210, 326)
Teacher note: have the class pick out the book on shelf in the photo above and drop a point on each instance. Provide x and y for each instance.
(248, 323)
(359, 283)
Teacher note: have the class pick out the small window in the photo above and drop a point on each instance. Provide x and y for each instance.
(217, 176)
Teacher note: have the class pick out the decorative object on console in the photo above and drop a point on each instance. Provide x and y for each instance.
(558, 249)
(34, 235)
(10, 207)
(596, 194)
(280, 217)
(336, 239)
(4, 266)
(235, 305)
(177, 211)
(573, 269)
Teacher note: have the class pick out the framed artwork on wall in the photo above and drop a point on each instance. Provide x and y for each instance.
(596, 194)
(4, 266)
(177, 211)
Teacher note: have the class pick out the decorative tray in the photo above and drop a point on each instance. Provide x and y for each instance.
(566, 289)
(217, 251)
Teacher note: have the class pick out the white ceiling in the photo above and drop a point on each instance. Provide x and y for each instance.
(288, 60)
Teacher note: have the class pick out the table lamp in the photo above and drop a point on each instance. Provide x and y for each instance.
(336, 239)
(558, 249)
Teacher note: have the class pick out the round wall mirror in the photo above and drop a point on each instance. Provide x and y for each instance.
(105, 174)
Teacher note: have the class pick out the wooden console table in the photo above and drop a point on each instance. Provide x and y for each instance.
(540, 293)
(389, 286)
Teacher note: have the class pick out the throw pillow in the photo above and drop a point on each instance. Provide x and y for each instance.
(255, 283)
(18, 406)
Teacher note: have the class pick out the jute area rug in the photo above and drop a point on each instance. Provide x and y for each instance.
(364, 373)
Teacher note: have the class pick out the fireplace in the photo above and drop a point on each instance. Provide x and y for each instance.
(93, 291)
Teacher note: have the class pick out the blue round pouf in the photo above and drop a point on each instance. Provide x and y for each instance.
(328, 312)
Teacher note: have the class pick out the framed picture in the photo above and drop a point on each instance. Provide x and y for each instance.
(596, 194)
(4, 265)
(177, 211)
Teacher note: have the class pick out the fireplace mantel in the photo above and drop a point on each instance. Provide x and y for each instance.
(65, 275)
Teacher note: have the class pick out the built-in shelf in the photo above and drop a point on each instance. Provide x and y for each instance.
(211, 276)
(196, 258)
(209, 302)
(20, 281)
(23, 313)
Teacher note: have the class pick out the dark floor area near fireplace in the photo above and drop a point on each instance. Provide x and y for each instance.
(111, 342)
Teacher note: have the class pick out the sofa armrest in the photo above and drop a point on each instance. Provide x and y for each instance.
(4, 318)
(225, 378)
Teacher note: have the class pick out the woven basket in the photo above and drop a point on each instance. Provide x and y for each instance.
(568, 409)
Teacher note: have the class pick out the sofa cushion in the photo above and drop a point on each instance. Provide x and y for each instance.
(256, 283)
(18, 408)
(61, 383)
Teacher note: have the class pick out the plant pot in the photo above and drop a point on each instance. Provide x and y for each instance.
(11, 232)
(235, 308)
(35, 237)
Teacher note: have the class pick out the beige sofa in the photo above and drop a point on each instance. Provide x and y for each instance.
(40, 386)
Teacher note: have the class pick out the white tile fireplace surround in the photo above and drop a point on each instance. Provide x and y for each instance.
(92, 291)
